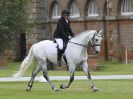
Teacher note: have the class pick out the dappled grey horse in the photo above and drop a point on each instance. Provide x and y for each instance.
(76, 54)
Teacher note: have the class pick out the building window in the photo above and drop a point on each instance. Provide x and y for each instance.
(56, 13)
(126, 7)
(74, 10)
(92, 8)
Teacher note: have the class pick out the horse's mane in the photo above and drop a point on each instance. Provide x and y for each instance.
(82, 33)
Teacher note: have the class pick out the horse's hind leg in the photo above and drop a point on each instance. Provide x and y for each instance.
(45, 75)
(87, 73)
(34, 73)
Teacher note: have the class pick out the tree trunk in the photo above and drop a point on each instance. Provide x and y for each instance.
(3, 64)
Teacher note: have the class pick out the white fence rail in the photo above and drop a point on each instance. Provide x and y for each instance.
(42, 79)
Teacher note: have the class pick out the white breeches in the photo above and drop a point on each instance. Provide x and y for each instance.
(59, 42)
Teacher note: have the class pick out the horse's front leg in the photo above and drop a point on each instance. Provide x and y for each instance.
(87, 73)
(45, 75)
(72, 71)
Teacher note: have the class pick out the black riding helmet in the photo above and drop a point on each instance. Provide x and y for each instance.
(66, 12)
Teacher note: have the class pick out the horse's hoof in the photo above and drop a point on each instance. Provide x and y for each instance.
(63, 86)
(28, 89)
(95, 90)
(56, 90)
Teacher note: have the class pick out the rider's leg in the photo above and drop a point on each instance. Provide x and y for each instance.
(59, 49)
(59, 42)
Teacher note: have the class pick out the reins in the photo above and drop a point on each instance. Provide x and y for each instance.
(82, 45)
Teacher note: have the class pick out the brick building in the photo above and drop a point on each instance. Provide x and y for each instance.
(114, 16)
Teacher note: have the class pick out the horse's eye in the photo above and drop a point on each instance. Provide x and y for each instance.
(96, 40)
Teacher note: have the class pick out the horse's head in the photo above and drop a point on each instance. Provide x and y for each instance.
(92, 36)
(96, 40)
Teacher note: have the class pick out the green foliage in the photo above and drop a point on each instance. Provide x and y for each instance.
(13, 20)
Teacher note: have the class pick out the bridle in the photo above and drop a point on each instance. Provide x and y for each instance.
(91, 45)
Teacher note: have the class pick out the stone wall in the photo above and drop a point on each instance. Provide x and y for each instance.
(117, 34)
(117, 29)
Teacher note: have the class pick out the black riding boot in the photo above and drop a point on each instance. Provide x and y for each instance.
(60, 52)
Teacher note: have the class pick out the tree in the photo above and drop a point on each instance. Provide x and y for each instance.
(13, 19)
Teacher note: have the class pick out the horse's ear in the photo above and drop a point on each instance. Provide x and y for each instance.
(100, 31)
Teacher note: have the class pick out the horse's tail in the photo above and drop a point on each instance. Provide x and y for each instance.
(25, 64)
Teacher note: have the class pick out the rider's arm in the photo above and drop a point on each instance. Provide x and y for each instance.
(61, 28)
(70, 30)
(71, 33)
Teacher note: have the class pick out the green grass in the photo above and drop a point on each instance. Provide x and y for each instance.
(109, 89)
(114, 68)
(104, 68)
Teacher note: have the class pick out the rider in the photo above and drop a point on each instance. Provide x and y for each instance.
(63, 33)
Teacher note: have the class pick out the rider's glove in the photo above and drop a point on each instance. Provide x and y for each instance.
(69, 37)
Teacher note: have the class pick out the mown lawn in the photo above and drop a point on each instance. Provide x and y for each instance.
(104, 68)
(109, 89)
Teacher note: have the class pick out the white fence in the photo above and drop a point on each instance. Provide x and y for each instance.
(42, 79)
